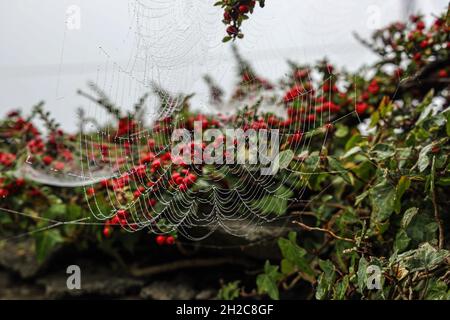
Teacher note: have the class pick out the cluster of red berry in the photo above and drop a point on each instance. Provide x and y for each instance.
(235, 12)
(127, 126)
(165, 240)
(183, 179)
(305, 102)
(144, 179)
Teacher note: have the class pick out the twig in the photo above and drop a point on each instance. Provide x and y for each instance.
(185, 264)
(437, 217)
(331, 233)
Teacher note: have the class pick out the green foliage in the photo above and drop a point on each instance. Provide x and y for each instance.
(230, 291)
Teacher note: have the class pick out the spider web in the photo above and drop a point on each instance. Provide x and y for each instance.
(167, 37)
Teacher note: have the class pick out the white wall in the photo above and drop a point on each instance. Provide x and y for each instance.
(179, 41)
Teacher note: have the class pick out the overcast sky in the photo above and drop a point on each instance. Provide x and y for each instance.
(123, 45)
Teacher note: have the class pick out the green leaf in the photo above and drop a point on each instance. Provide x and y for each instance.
(424, 114)
(352, 141)
(267, 282)
(271, 204)
(362, 274)
(408, 216)
(426, 257)
(341, 288)
(230, 291)
(336, 166)
(382, 198)
(326, 279)
(351, 152)
(55, 210)
(382, 151)
(437, 290)
(426, 101)
(385, 106)
(374, 119)
(424, 161)
(46, 241)
(402, 186)
(342, 131)
(445, 181)
(401, 241)
(447, 125)
(361, 197)
(288, 267)
(295, 254)
(289, 248)
(274, 204)
(285, 158)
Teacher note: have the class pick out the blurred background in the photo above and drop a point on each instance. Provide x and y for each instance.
(51, 48)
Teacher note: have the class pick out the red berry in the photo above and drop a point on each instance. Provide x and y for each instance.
(20, 182)
(47, 160)
(399, 72)
(170, 240)
(243, 8)
(296, 137)
(115, 220)
(311, 117)
(179, 180)
(435, 149)
(3, 193)
(137, 194)
(121, 213)
(226, 16)
(175, 175)
(107, 232)
(90, 191)
(156, 164)
(58, 166)
(192, 177)
(420, 25)
(160, 240)
(232, 30)
(361, 108)
(443, 73)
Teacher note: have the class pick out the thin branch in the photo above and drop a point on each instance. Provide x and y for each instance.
(331, 233)
(437, 217)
